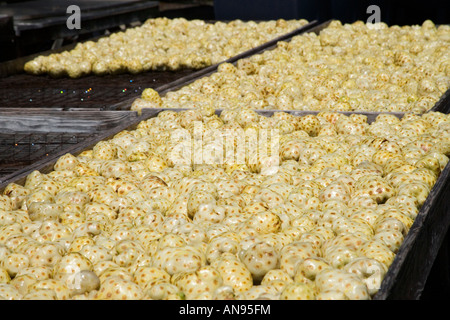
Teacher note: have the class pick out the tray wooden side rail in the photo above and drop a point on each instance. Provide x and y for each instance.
(408, 273)
(44, 120)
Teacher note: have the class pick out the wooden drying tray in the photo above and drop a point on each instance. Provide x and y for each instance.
(442, 105)
(109, 92)
(406, 276)
(13, 120)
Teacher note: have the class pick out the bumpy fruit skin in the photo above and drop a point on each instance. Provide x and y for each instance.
(276, 275)
(310, 124)
(8, 292)
(260, 292)
(378, 251)
(4, 276)
(151, 95)
(331, 295)
(179, 259)
(348, 284)
(297, 291)
(146, 276)
(264, 222)
(199, 284)
(41, 294)
(116, 288)
(391, 238)
(370, 271)
(234, 273)
(221, 244)
(164, 291)
(61, 291)
(84, 282)
(198, 198)
(69, 266)
(308, 269)
(294, 253)
(259, 259)
(14, 262)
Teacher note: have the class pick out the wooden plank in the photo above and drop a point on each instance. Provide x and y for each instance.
(17, 120)
(443, 104)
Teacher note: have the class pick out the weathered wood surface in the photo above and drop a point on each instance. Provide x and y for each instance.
(443, 104)
(29, 135)
(50, 121)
